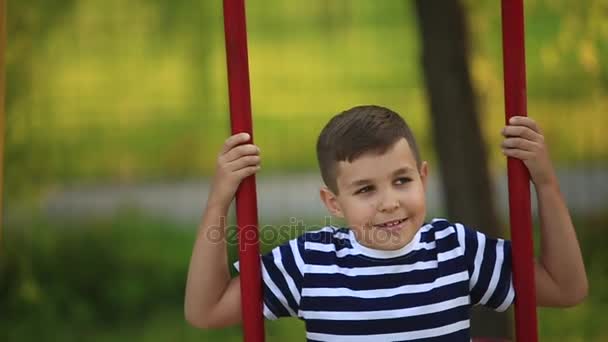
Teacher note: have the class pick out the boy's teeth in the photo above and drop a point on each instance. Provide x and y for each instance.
(390, 224)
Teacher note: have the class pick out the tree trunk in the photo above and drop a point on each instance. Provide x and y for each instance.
(457, 134)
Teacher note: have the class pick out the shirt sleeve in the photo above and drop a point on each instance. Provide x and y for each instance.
(489, 264)
(282, 276)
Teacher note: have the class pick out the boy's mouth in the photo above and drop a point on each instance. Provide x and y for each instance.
(394, 224)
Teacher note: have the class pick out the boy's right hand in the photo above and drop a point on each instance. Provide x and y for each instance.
(235, 162)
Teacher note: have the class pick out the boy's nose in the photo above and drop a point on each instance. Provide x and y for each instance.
(388, 203)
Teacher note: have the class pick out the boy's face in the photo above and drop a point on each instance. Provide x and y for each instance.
(381, 196)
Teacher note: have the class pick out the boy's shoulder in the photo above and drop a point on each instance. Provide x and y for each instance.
(443, 229)
(440, 229)
(336, 238)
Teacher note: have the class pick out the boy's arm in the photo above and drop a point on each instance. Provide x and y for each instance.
(559, 272)
(212, 298)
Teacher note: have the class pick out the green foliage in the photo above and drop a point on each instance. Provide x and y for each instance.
(103, 275)
(123, 279)
(117, 279)
(120, 279)
(136, 91)
(584, 322)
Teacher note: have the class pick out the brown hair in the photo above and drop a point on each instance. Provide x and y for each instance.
(357, 131)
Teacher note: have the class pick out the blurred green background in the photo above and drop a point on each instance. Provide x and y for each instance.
(104, 94)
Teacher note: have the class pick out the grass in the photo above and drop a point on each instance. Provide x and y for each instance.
(122, 279)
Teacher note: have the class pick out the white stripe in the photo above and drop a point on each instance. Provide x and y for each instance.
(268, 313)
(330, 229)
(461, 236)
(387, 314)
(342, 236)
(278, 260)
(508, 300)
(326, 247)
(426, 245)
(383, 293)
(426, 228)
(296, 256)
(481, 243)
(447, 255)
(326, 229)
(495, 273)
(320, 247)
(346, 236)
(275, 290)
(377, 270)
(371, 270)
(410, 335)
(445, 232)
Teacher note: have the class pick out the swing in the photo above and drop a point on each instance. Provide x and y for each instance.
(519, 187)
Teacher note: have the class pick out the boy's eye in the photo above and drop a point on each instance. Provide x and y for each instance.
(364, 189)
(403, 180)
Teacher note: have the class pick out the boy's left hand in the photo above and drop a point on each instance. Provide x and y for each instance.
(524, 141)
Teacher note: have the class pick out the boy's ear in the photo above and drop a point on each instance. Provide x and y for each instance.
(331, 202)
(424, 172)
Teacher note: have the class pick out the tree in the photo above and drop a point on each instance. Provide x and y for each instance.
(456, 129)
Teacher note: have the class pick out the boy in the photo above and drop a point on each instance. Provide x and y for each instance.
(388, 276)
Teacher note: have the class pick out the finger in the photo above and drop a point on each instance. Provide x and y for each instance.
(523, 132)
(234, 140)
(524, 121)
(240, 151)
(516, 153)
(248, 171)
(243, 162)
(519, 143)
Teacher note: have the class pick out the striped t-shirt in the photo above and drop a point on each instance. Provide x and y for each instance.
(345, 291)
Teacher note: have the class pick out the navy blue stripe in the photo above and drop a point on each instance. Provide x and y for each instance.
(486, 269)
(448, 243)
(290, 265)
(384, 281)
(371, 282)
(452, 266)
(429, 235)
(504, 282)
(408, 300)
(301, 243)
(388, 326)
(279, 280)
(356, 261)
(273, 303)
(343, 243)
(315, 257)
(470, 248)
(328, 234)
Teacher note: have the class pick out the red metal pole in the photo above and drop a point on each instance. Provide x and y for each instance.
(246, 206)
(3, 17)
(514, 61)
